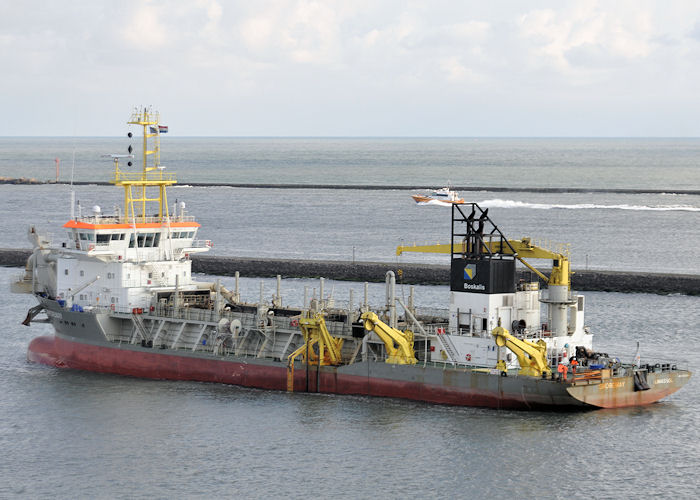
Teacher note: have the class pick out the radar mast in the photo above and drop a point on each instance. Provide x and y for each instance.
(136, 184)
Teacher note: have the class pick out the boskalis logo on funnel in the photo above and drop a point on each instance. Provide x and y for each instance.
(470, 272)
(469, 275)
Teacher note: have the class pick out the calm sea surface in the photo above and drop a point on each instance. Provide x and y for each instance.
(587, 163)
(70, 434)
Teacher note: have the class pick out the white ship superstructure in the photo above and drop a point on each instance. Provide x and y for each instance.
(119, 261)
(483, 294)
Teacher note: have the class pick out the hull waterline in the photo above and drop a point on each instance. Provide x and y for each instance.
(453, 387)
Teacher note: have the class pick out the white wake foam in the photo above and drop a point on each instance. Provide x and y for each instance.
(435, 203)
(498, 203)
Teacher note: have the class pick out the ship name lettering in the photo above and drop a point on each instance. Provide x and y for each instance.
(469, 286)
(611, 385)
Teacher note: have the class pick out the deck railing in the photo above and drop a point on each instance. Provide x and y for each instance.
(122, 219)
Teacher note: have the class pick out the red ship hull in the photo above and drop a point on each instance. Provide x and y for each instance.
(154, 364)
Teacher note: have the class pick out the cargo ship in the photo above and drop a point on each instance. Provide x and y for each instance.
(121, 298)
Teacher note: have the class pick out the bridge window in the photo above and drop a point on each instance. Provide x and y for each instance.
(149, 240)
(140, 239)
(131, 241)
(83, 236)
(103, 239)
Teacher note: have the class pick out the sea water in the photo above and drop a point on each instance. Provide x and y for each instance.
(70, 434)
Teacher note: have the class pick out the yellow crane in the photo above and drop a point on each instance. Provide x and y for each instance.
(315, 332)
(522, 249)
(399, 345)
(532, 356)
(313, 326)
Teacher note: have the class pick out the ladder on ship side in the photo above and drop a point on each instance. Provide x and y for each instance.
(447, 347)
(139, 327)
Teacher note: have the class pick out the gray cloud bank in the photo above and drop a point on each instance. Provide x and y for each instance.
(359, 68)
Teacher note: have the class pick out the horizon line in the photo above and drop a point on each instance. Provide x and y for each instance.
(363, 136)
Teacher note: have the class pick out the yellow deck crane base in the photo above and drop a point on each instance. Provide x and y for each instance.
(532, 356)
(399, 345)
(313, 326)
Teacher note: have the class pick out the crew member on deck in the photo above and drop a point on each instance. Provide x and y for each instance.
(562, 369)
(573, 364)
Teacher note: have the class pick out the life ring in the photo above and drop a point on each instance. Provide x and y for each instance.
(294, 322)
(112, 307)
(91, 247)
(469, 357)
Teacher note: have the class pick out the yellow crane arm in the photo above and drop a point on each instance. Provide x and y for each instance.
(524, 249)
(532, 356)
(315, 331)
(399, 345)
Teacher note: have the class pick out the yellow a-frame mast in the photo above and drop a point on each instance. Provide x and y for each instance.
(152, 174)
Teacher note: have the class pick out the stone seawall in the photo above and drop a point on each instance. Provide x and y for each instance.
(423, 274)
(380, 187)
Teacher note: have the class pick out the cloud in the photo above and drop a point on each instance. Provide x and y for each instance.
(307, 32)
(458, 72)
(351, 64)
(146, 30)
(695, 31)
(586, 36)
(452, 35)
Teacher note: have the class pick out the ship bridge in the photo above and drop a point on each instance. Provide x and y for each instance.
(145, 229)
(116, 235)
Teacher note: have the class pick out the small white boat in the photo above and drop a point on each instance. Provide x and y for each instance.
(444, 195)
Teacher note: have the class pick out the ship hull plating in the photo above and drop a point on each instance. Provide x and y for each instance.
(430, 384)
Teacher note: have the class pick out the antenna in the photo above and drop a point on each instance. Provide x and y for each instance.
(72, 191)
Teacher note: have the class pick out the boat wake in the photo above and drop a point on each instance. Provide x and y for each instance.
(435, 203)
(498, 203)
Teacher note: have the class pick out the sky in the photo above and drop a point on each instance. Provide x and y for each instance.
(352, 68)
